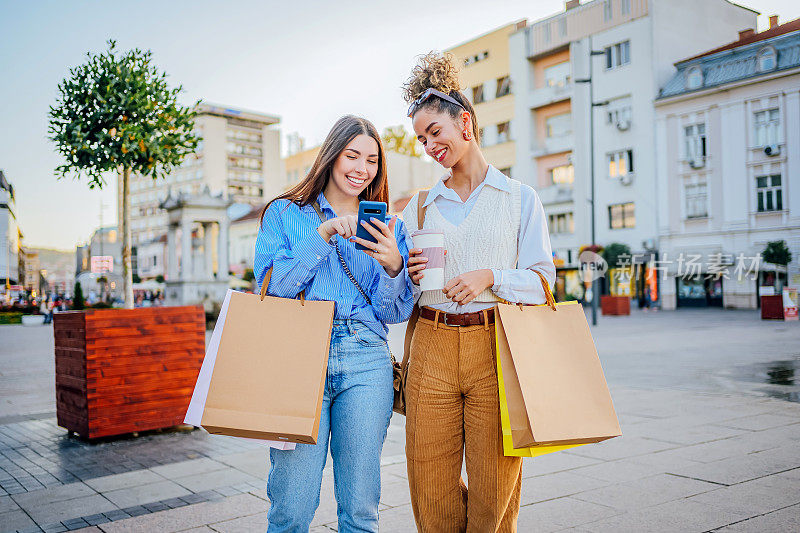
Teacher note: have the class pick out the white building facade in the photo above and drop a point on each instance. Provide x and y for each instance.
(634, 45)
(728, 124)
(10, 236)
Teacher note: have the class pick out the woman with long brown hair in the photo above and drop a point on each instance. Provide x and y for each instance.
(496, 238)
(306, 239)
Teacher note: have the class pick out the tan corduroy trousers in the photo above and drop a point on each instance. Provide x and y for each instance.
(453, 411)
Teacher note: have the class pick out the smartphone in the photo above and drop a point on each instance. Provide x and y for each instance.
(366, 211)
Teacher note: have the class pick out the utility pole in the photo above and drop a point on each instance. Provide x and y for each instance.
(592, 105)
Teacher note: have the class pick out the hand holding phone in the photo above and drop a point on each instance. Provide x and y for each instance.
(366, 211)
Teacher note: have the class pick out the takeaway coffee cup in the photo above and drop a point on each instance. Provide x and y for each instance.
(431, 242)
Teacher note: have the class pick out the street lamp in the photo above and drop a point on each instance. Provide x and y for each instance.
(588, 80)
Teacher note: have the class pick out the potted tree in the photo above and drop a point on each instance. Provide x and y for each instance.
(123, 370)
(619, 301)
(778, 254)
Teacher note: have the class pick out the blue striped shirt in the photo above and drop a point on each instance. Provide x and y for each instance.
(288, 242)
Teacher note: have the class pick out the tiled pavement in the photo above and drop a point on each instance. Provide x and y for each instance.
(694, 457)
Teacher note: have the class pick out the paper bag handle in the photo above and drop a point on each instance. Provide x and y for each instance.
(265, 283)
(548, 294)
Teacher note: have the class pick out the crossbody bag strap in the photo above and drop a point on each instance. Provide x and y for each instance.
(349, 274)
(412, 321)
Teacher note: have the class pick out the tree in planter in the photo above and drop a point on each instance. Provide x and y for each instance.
(614, 255)
(777, 253)
(77, 298)
(397, 139)
(116, 113)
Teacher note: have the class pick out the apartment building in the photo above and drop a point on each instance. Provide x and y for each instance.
(486, 81)
(10, 238)
(728, 169)
(239, 157)
(632, 45)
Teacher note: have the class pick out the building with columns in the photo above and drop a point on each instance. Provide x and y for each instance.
(632, 45)
(728, 168)
(196, 247)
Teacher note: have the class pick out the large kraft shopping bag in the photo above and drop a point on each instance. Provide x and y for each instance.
(554, 384)
(505, 423)
(265, 372)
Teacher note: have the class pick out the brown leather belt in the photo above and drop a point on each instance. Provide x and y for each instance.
(456, 319)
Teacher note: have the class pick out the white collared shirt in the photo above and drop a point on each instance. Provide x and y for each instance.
(519, 284)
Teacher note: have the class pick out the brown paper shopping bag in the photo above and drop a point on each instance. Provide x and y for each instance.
(554, 383)
(267, 375)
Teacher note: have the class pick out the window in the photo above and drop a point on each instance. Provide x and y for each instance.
(503, 86)
(562, 175)
(694, 78)
(477, 94)
(558, 125)
(620, 163)
(766, 127)
(561, 223)
(769, 193)
(618, 55)
(607, 12)
(503, 132)
(506, 171)
(471, 60)
(695, 142)
(767, 59)
(625, 7)
(695, 195)
(621, 216)
(562, 27)
(547, 33)
(557, 75)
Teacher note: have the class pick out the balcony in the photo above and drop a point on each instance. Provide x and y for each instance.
(553, 145)
(555, 194)
(549, 95)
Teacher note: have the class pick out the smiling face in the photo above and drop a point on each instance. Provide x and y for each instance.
(442, 135)
(356, 166)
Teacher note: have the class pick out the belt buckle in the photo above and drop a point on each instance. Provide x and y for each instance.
(445, 322)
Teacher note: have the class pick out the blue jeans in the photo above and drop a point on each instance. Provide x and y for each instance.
(356, 409)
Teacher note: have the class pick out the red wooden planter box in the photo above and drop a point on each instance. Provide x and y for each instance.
(124, 370)
(615, 305)
(772, 307)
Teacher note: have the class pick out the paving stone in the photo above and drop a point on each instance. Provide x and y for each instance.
(245, 524)
(188, 468)
(395, 491)
(53, 494)
(617, 471)
(14, 520)
(190, 516)
(399, 518)
(116, 514)
(561, 513)
(253, 462)
(46, 513)
(75, 523)
(675, 516)
(556, 485)
(7, 504)
(122, 481)
(57, 528)
(672, 431)
(620, 448)
(553, 462)
(645, 492)
(759, 422)
(96, 519)
(214, 479)
(744, 468)
(142, 494)
(787, 519)
(755, 497)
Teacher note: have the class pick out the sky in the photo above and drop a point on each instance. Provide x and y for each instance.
(308, 62)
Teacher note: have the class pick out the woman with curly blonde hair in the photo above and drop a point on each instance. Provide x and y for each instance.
(496, 237)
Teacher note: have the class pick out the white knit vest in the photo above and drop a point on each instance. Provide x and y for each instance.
(487, 238)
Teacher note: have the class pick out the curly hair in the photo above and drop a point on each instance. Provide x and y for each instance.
(435, 70)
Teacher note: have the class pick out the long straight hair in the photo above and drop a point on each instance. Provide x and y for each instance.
(345, 130)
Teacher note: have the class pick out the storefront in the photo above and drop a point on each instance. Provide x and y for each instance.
(698, 291)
